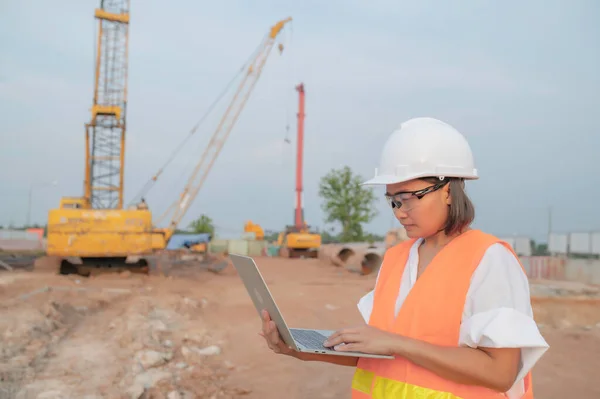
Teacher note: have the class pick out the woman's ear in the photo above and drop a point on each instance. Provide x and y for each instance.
(447, 194)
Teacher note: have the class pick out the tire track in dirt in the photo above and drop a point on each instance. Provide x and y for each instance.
(91, 344)
(32, 329)
(85, 357)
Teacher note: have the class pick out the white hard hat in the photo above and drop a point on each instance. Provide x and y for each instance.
(424, 147)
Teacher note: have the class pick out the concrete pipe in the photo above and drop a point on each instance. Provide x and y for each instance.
(345, 253)
(341, 255)
(365, 261)
(328, 254)
(354, 260)
(357, 257)
(326, 251)
(372, 260)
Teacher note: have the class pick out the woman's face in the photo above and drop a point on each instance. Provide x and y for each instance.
(424, 216)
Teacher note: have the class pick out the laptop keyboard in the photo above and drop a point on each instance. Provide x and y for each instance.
(310, 339)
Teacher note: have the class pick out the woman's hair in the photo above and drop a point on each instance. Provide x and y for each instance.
(462, 212)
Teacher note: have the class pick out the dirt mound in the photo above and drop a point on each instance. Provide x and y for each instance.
(28, 333)
(72, 351)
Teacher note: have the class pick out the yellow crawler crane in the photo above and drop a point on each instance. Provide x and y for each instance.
(96, 231)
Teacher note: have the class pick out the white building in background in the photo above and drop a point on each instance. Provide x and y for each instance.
(576, 243)
(520, 244)
(558, 244)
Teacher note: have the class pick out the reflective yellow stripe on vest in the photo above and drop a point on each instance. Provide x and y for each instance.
(385, 388)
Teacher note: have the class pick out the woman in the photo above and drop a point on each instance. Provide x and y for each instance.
(451, 304)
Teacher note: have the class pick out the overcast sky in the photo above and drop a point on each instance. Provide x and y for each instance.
(519, 79)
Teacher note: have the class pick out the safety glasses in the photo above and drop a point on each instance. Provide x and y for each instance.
(410, 199)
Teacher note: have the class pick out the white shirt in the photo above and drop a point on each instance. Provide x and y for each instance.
(497, 312)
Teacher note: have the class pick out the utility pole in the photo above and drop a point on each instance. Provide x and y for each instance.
(549, 222)
(29, 206)
(549, 229)
(299, 211)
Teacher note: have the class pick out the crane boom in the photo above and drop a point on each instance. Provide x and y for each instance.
(224, 127)
(105, 134)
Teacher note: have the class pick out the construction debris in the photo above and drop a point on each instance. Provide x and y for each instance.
(4, 265)
(11, 261)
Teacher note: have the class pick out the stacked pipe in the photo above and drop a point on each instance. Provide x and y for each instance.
(361, 258)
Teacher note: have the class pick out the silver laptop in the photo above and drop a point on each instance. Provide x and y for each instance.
(300, 339)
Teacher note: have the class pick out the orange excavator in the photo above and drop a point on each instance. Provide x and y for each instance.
(251, 227)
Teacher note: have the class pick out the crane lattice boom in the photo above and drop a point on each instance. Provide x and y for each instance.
(105, 134)
(224, 127)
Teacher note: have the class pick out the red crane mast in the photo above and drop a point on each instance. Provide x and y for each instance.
(299, 211)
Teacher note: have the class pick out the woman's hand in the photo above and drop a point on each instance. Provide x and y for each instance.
(271, 334)
(365, 339)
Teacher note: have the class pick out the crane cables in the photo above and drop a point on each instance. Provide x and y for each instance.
(150, 183)
(226, 124)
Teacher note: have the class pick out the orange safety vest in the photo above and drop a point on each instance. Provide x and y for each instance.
(432, 312)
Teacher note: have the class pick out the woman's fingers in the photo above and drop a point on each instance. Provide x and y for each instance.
(265, 316)
(266, 340)
(265, 320)
(271, 334)
(348, 348)
(269, 328)
(283, 348)
(342, 336)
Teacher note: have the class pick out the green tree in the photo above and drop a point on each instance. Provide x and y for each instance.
(328, 238)
(371, 238)
(203, 224)
(271, 235)
(347, 202)
(539, 249)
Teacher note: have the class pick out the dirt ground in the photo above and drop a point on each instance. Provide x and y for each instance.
(194, 334)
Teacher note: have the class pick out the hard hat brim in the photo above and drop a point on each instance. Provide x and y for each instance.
(383, 180)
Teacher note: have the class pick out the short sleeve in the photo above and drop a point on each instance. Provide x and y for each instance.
(498, 312)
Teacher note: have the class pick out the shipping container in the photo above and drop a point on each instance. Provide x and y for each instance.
(249, 235)
(256, 248)
(218, 246)
(238, 247)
